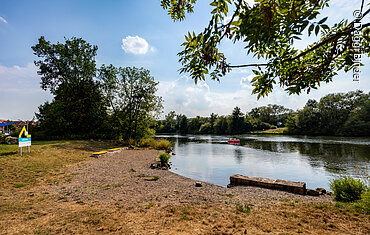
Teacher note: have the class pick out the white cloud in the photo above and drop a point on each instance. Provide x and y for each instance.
(183, 96)
(3, 20)
(20, 92)
(136, 45)
(245, 81)
(249, 2)
(227, 19)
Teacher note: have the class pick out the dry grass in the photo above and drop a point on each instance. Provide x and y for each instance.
(283, 218)
(45, 160)
(32, 209)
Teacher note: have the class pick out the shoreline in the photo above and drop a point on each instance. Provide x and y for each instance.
(125, 177)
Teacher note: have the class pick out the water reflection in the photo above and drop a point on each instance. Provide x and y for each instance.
(314, 160)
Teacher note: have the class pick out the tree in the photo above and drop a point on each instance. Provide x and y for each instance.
(221, 125)
(335, 114)
(306, 121)
(335, 109)
(133, 103)
(212, 119)
(236, 125)
(269, 28)
(358, 122)
(182, 123)
(68, 71)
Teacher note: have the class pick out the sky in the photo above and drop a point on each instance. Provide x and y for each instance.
(140, 33)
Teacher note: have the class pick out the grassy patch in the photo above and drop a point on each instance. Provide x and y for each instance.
(227, 195)
(148, 177)
(284, 199)
(243, 208)
(156, 144)
(149, 206)
(47, 158)
(19, 185)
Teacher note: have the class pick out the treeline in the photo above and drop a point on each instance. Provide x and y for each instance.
(90, 102)
(260, 118)
(339, 114)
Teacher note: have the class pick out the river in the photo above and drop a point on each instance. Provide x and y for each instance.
(314, 160)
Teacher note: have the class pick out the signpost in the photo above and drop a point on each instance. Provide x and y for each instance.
(24, 142)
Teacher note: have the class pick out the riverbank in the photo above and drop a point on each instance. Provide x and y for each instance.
(119, 193)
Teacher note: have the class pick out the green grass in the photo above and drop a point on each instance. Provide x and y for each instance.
(19, 185)
(282, 130)
(227, 195)
(149, 206)
(243, 208)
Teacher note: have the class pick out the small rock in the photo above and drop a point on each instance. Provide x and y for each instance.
(198, 184)
(312, 192)
(321, 191)
(230, 185)
(328, 193)
(164, 168)
(173, 153)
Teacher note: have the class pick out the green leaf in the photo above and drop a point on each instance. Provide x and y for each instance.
(317, 29)
(310, 29)
(323, 20)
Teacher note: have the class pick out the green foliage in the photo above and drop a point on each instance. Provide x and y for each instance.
(131, 96)
(363, 205)
(148, 142)
(149, 205)
(269, 30)
(243, 208)
(163, 144)
(164, 158)
(19, 185)
(345, 114)
(347, 189)
(68, 70)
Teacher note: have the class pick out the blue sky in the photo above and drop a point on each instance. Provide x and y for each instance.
(138, 33)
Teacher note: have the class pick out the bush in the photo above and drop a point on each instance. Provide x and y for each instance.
(363, 205)
(131, 142)
(163, 144)
(164, 157)
(149, 142)
(347, 189)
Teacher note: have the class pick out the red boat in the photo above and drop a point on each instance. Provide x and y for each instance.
(233, 141)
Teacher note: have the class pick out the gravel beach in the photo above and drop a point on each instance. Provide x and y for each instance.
(125, 178)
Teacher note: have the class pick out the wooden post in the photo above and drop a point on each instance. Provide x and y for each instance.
(20, 150)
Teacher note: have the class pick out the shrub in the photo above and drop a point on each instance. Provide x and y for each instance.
(149, 142)
(363, 205)
(131, 142)
(163, 144)
(347, 189)
(164, 157)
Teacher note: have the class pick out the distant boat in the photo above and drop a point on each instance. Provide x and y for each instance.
(233, 141)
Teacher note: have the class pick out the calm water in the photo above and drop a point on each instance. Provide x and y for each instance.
(314, 160)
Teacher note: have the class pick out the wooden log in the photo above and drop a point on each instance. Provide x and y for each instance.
(283, 185)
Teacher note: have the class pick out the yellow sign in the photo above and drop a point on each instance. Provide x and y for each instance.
(25, 133)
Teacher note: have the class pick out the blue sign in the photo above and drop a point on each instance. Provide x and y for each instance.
(23, 142)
